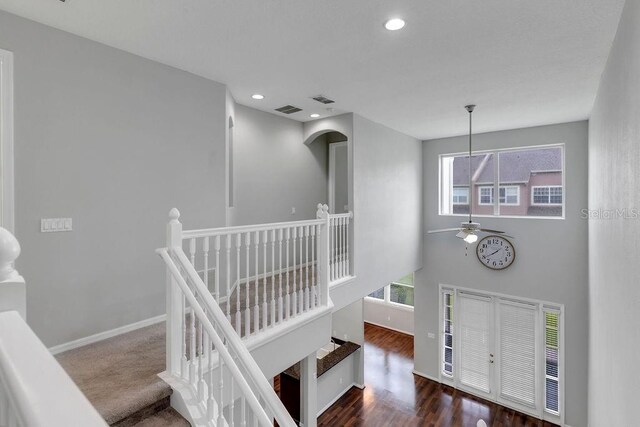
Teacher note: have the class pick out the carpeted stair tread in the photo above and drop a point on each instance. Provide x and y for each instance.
(119, 375)
(168, 417)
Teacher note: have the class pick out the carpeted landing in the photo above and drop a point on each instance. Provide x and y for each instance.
(119, 376)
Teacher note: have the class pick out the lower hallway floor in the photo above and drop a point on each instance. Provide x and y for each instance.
(394, 396)
(119, 376)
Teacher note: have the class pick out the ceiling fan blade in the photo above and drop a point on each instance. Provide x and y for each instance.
(444, 230)
(502, 233)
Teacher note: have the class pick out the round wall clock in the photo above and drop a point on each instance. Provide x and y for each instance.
(495, 252)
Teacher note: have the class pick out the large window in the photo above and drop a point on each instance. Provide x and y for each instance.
(399, 292)
(530, 182)
(505, 349)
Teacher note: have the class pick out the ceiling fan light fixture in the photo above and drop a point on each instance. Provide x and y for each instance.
(471, 238)
(394, 24)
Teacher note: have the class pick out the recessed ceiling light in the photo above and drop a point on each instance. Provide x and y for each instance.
(257, 96)
(314, 115)
(394, 24)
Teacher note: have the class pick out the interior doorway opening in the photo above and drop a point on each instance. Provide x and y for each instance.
(337, 170)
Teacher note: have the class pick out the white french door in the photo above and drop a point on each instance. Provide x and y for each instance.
(504, 349)
(475, 341)
(517, 355)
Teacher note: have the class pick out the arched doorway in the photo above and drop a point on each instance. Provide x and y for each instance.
(337, 168)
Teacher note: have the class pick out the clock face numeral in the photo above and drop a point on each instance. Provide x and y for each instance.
(495, 252)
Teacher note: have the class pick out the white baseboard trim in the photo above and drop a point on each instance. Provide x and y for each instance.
(388, 327)
(429, 377)
(106, 334)
(328, 405)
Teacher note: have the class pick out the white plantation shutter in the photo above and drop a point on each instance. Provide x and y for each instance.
(475, 323)
(517, 349)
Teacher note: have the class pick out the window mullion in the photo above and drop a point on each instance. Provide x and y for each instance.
(496, 184)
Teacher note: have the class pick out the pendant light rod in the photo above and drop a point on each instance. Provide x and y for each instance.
(470, 109)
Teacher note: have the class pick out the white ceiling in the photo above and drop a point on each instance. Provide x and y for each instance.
(524, 63)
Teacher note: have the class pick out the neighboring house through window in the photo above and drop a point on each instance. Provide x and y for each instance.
(547, 195)
(530, 182)
(461, 195)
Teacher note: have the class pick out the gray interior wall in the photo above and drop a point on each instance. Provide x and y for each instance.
(113, 141)
(274, 170)
(614, 271)
(387, 204)
(341, 176)
(389, 316)
(551, 262)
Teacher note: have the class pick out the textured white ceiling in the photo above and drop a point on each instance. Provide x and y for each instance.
(524, 63)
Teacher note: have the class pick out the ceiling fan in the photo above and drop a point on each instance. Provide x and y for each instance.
(468, 231)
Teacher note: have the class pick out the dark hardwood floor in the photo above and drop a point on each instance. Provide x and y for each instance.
(394, 396)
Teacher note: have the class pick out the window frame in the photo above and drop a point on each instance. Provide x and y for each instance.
(387, 296)
(496, 152)
(549, 187)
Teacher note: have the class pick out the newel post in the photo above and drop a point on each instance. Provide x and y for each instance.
(13, 291)
(175, 308)
(323, 254)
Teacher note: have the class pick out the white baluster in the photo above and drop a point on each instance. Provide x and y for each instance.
(294, 295)
(216, 276)
(341, 243)
(280, 302)
(256, 295)
(273, 277)
(323, 238)
(192, 350)
(228, 290)
(247, 311)
(344, 245)
(301, 294)
(265, 236)
(332, 248)
(205, 255)
(306, 268)
(210, 400)
(287, 297)
(201, 383)
(232, 403)
(347, 267)
(192, 251)
(313, 267)
(243, 411)
(237, 289)
(184, 370)
(220, 392)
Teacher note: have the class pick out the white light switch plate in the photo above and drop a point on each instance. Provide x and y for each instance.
(431, 335)
(52, 225)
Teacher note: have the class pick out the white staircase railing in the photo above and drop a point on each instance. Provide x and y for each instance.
(214, 361)
(228, 284)
(339, 258)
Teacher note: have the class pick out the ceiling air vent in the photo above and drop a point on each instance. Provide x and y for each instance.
(323, 99)
(288, 109)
